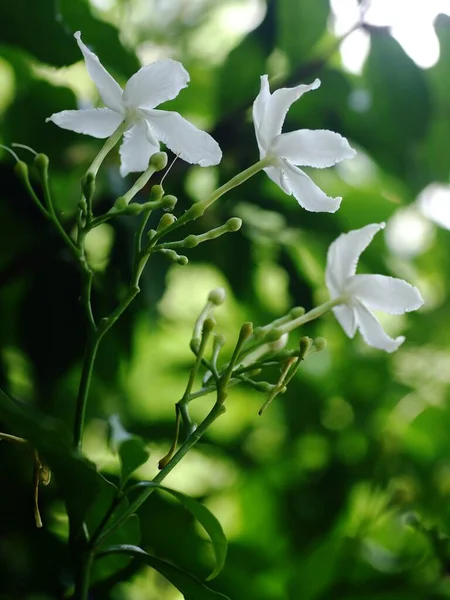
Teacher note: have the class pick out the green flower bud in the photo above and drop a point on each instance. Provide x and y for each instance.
(191, 241)
(234, 224)
(208, 325)
(274, 335)
(217, 296)
(169, 202)
(305, 345)
(159, 160)
(156, 193)
(263, 386)
(296, 312)
(21, 170)
(165, 221)
(246, 330)
(182, 260)
(320, 344)
(88, 185)
(195, 345)
(42, 161)
(120, 204)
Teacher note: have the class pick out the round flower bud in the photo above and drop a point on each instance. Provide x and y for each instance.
(320, 343)
(159, 160)
(297, 311)
(156, 193)
(234, 224)
(169, 201)
(42, 161)
(217, 296)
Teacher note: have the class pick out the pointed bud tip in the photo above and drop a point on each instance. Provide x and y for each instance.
(305, 345)
(217, 296)
(246, 330)
(166, 220)
(41, 161)
(77, 35)
(21, 170)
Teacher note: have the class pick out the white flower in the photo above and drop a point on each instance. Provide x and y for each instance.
(361, 293)
(150, 86)
(306, 147)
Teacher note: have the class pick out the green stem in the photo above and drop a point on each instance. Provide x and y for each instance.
(83, 391)
(217, 410)
(311, 315)
(106, 149)
(199, 208)
(82, 577)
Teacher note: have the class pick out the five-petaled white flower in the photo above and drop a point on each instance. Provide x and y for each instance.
(306, 147)
(150, 86)
(361, 293)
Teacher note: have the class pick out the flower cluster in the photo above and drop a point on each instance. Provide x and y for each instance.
(132, 111)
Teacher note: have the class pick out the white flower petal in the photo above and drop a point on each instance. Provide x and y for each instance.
(277, 106)
(185, 140)
(388, 294)
(108, 88)
(97, 122)
(259, 107)
(346, 318)
(278, 177)
(344, 253)
(372, 331)
(156, 83)
(312, 148)
(136, 150)
(307, 193)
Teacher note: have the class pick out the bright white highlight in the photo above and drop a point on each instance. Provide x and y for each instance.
(411, 23)
(434, 203)
(409, 233)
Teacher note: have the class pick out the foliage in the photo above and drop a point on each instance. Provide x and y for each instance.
(340, 488)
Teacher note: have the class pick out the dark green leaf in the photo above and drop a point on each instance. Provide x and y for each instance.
(292, 15)
(132, 450)
(204, 516)
(191, 587)
(45, 29)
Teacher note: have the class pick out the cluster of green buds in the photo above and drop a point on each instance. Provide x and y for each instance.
(256, 351)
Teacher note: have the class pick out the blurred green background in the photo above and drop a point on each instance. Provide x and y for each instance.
(317, 496)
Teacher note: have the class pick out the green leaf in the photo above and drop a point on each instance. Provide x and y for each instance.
(87, 494)
(45, 29)
(292, 17)
(238, 83)
(204, 516)
(191, 587)
(393, 126)
(132, 450)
